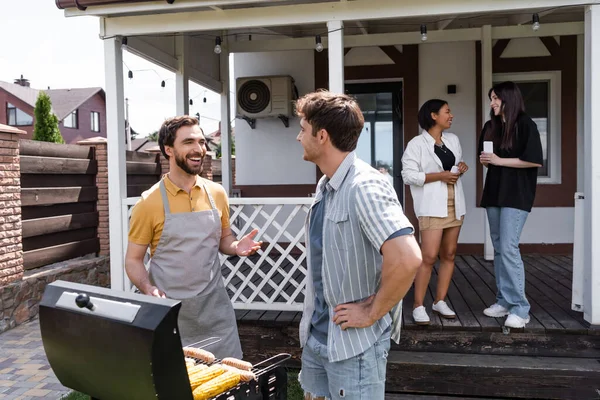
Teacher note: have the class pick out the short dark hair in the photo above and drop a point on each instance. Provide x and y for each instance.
(168, 130)
(430, 106)
(338, 114)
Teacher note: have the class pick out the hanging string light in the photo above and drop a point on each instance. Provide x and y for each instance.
(318, 44)
(191, 102)
(536, 22)
(218, 48)
(163, 84)
(423, 33)
(130, 74)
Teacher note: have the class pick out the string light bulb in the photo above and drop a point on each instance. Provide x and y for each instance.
(423, 32)
(318, 44)
(218, 48)
(536, 22)
(130, 74)
(191, 102)
(163, 84)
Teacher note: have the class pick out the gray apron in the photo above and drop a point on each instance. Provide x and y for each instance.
(186, 267)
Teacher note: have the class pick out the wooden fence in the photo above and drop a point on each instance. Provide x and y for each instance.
(58, 200)
(143, 171)
(60, 197)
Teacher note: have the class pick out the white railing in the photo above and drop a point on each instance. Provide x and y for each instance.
(274, 278)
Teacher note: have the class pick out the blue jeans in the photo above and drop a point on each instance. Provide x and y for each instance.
(358, 378)
(506, 225)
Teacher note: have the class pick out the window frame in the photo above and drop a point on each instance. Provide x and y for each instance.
(11, 107)
(76, 119)
(554, 150)
(97, 113)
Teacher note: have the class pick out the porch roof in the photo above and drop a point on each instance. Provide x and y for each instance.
(308, 17)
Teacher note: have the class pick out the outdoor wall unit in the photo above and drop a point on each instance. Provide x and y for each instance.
(265, 97)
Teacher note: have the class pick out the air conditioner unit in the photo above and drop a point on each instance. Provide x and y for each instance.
(265, 97)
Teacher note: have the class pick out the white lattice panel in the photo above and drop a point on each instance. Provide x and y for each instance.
(274, 278)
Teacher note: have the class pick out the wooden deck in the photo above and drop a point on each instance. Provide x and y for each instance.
(473, 288)
(557, 356)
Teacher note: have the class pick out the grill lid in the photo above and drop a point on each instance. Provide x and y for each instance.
(113, 345)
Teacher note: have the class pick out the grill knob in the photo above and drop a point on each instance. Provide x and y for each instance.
(83, 300)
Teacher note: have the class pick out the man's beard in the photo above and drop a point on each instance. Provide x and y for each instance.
(181, 162)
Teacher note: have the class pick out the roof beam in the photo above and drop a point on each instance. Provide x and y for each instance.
(147, 51)
(443, 24)
(362, 27)
(404, 38)
(293, 14)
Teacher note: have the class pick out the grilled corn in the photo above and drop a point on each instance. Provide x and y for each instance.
(205, 375)
(217, 385)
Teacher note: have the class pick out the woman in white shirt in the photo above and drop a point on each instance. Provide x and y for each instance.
(432, 165)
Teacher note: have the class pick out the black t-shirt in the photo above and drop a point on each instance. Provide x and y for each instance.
(514, 187)
(445, 155)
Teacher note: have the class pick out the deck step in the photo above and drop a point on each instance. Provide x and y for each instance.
(493, 376)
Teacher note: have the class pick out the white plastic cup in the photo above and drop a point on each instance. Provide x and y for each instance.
(488, 146)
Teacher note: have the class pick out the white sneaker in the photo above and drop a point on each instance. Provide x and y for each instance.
(496, 311)
(443, 310)
(420, 316)
(514, 321)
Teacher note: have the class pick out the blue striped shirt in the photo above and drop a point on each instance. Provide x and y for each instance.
(361, 213)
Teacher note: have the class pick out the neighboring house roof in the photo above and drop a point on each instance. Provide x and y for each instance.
(142, 144)
(64, 101)
(25, 94)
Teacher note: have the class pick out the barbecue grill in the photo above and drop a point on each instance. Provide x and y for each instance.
(114, 345)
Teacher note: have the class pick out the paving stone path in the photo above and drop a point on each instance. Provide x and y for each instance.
(24, 369)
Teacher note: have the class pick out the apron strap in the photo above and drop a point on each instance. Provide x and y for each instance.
(210, 198)
(165, 199)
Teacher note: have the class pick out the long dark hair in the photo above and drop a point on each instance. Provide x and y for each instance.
(503, 132)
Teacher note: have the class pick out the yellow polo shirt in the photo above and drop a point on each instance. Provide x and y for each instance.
(148, 215)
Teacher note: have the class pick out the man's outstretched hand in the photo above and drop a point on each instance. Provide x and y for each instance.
(247, 246)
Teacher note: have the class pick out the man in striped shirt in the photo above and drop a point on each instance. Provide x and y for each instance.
(362, 258)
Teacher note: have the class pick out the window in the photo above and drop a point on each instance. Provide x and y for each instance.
(16, 117)
(95, 120)
(541, 93)
(71, 120)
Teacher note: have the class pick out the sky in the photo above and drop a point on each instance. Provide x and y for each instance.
(54, 51)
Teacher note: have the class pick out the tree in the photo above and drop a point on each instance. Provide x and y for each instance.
(46, 123)
(153, 137)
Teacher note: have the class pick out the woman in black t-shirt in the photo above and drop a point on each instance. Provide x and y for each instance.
(508, 195)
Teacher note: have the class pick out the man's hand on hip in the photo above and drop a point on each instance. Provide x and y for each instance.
(354, 315)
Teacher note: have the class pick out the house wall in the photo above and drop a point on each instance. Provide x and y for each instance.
(443, 64)
(5, 98)
(270, 154)
(95, 103)
(440, 64)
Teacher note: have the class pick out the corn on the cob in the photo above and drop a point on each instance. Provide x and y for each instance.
(200, 354)
(245, 376)
(196, 368)
(217, 385)
(205, 375)
(234, 362)
(189, 362)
